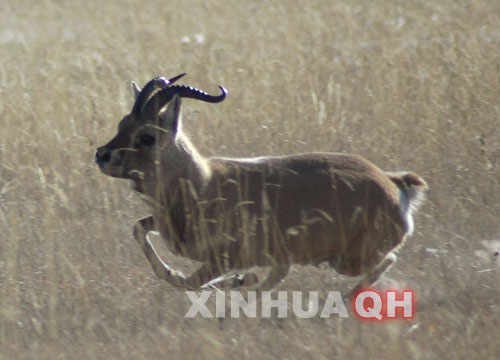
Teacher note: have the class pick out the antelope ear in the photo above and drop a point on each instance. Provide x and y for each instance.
(136, 89)
(170, 119)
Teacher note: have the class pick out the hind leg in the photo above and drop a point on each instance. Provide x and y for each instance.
(374, 274)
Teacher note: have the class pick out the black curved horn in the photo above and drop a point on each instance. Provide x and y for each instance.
(149, 88)
(175, 78)
(162, 97)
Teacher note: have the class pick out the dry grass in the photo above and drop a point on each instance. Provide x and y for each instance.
(409, 85)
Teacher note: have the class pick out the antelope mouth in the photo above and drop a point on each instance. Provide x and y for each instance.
(106, 166)
(113, 171)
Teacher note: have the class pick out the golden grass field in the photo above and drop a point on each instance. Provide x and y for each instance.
(407, 84)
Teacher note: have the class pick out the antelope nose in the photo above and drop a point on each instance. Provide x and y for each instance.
(102, 156)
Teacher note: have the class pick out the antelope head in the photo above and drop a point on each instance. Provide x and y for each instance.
(148, 133)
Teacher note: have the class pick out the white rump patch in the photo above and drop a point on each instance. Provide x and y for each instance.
(407, 209)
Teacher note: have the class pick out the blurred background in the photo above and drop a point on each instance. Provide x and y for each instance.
(408, 85)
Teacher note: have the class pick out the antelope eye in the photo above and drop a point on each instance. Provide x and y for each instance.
(146, 140)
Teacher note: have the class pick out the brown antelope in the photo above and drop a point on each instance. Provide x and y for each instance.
(272, 211)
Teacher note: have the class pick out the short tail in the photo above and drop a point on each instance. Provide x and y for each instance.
(412, 185)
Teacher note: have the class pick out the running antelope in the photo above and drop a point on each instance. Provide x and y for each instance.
(231, 214)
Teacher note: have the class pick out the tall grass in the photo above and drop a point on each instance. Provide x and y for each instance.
(409, 85)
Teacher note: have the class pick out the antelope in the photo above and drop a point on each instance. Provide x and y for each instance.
(235, 213)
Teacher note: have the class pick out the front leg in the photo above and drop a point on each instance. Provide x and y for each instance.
(275, 275)
(141, 230)
(233, 281)
(205, 274)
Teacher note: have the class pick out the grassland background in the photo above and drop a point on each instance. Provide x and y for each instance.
(407, 84)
